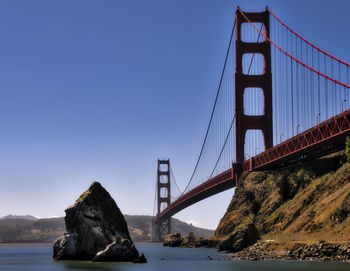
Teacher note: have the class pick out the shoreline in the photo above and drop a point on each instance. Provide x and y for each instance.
(315, 250)
(318, 251)
(269, 250)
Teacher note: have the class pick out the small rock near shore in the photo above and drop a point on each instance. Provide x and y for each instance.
(141, 259)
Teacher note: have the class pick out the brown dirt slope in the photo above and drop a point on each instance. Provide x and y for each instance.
(306, 202)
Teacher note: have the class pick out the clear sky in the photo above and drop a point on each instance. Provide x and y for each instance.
(98, 90)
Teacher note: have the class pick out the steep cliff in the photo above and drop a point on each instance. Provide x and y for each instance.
(305, 202)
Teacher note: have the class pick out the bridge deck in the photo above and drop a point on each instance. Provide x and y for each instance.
(327, 137)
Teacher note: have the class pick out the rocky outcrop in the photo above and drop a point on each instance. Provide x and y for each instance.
(140, 259)
(242, 237)
(310, 201)
(172, 240)
(96, 230)
(120, 250)
(175, 240)
(293, 210)
(321, 251)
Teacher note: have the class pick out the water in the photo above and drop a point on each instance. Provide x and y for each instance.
(39, 257)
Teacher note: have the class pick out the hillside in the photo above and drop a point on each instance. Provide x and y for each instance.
(27, 217)
(28, 229)
(304, 203)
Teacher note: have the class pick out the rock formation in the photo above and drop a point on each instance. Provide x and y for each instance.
(175, 240)
(96, 230)
(317, 251)
(240, 238)
(141, 259)
(172, 240)
(304, 203)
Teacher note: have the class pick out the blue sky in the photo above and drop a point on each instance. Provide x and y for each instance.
(98, 90)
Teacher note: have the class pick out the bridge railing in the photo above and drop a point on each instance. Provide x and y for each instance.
(332, 127)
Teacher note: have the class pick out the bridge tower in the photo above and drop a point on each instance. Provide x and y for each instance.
(243, 81)
(163, 182)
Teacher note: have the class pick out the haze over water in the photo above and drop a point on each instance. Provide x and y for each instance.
(39, 257)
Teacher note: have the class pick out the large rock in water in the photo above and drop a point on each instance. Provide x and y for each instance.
(96, 230)
(240, 238)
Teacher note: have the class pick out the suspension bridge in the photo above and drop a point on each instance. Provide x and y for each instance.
(280, 100)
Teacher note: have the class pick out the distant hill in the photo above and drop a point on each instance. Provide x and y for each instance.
(28, 230)
(31, 229)
(27, 217)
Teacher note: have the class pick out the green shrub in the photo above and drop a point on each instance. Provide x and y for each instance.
(283, 186)
(347, 148)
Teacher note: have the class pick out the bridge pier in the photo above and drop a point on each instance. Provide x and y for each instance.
(162, 227)
(237, 172)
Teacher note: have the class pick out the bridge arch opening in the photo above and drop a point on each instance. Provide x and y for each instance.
(254, 143)
(164, 192)
(253, 102)
(163, 205)
(164, 179)
(249, 33)
(253, 64)
(163, 167)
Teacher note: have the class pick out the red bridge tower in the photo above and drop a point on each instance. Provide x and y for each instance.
(163, 182)
(243, 81)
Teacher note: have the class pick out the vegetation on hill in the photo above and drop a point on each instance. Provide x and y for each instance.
(301, 203)
(347, 149)
(27, 230)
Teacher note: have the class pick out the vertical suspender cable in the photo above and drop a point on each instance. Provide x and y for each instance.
(213, 110)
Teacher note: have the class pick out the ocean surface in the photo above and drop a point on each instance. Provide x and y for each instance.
(38, 257)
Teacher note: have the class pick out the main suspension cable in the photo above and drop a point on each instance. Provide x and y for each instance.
(300, 37)
(213, 110)
(293, 58)
(172, 174)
